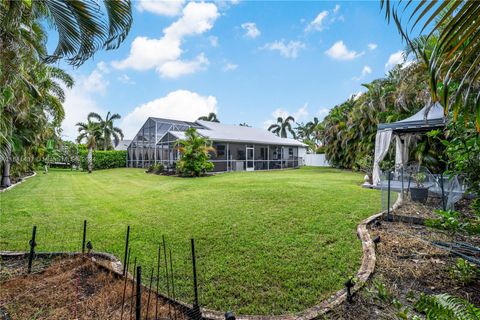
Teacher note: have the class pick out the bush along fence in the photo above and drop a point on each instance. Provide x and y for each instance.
(104, 159)
(160, 279)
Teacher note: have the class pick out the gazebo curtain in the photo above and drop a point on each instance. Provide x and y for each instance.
(382, 143)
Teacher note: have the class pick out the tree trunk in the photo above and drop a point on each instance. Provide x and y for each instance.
(6, 182)
(89, 160)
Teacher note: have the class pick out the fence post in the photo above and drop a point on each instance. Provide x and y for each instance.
(32, 249)
(126, 251)
(196, 309)
(84, 235)
(444, 206)
(138, 305)
(388, 195)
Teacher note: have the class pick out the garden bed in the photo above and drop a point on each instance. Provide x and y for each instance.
(70, 288)
(408, 264)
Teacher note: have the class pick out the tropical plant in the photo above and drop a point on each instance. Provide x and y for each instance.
(90, 132)
(454, 63)
(108, 129)
(212, 117)
(195, 153)
(419, 179)
(464, 272)
(283, 127)
(244, 124)
(444, 306)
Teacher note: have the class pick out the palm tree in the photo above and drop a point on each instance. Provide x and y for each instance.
(244, 124)
(108, 130)
(212, 117)
(91, 132)
(195, 151)
(453, 64)
(283, 127)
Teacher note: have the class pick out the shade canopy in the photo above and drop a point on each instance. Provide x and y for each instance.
(419, 122)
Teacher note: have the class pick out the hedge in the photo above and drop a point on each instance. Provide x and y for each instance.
(104, 159)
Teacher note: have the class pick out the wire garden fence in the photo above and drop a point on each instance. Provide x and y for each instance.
(162, 270)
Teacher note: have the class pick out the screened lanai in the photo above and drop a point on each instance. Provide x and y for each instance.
(237, 148)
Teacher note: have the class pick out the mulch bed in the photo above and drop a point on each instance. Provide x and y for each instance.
(70, 288)
(407, 265)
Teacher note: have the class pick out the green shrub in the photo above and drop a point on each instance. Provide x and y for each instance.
(444, 306)
(104, 159)
(156, 168)
(464, 272)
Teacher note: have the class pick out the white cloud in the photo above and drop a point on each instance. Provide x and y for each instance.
(178, 68)
(339, 51)
(372, 46)
(81, 99)
(288, 50)
(125, 79)
(301, 114)
(322, 113)
(365, 71)
(336, 9)
(213, 41)
(251, 30)
(230, 66)
(394, 59)
(161, 7)
(177, 105)
(147, 53)
(317, 23)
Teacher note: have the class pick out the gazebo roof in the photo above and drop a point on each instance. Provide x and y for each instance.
(419, 122)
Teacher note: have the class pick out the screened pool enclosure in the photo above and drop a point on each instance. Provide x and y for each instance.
(237, 148)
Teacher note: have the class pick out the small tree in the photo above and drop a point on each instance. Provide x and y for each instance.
(91, 133)
(195, 151)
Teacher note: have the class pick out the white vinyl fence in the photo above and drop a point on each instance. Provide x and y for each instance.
(315, 160)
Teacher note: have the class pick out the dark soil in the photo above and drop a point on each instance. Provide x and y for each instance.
(408, 265)
(70, 288)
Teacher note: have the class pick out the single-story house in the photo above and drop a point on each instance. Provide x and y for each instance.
(238, 148)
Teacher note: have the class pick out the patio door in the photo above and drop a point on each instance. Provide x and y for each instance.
(250, 156)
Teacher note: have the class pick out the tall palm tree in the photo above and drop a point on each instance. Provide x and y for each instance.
(212, 117)
(283, 127)
(90, 132)
(454, 63)
(108, 130)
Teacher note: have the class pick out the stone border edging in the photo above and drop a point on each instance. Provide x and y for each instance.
(19, 182)
(366, 270)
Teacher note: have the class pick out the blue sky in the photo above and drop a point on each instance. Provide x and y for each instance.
(249, 61)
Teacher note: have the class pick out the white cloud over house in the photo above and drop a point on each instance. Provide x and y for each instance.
(177, 105)
(323, 19)
(165, 54)
(339, 51)
(161, 7)
(372, 46)
(301, 114)
(251, 30)
(286, 49)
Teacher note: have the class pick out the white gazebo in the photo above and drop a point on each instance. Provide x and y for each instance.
(423, 121)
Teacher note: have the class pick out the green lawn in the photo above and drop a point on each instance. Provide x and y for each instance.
(267, 242)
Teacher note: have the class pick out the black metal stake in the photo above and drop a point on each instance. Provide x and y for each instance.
(138, 304)
(349, 284)
(149, 293)
(158, 281)
(125, 283)
(196, 309)
(173, 284)
(84, 235)
(126, 250)
(444, 206)
(388, 196)
(32, 249)
(133, 286)
(166, 274)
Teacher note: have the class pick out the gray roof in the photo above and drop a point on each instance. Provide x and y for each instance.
(418, 122)
(123, 145)
(231, 133)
